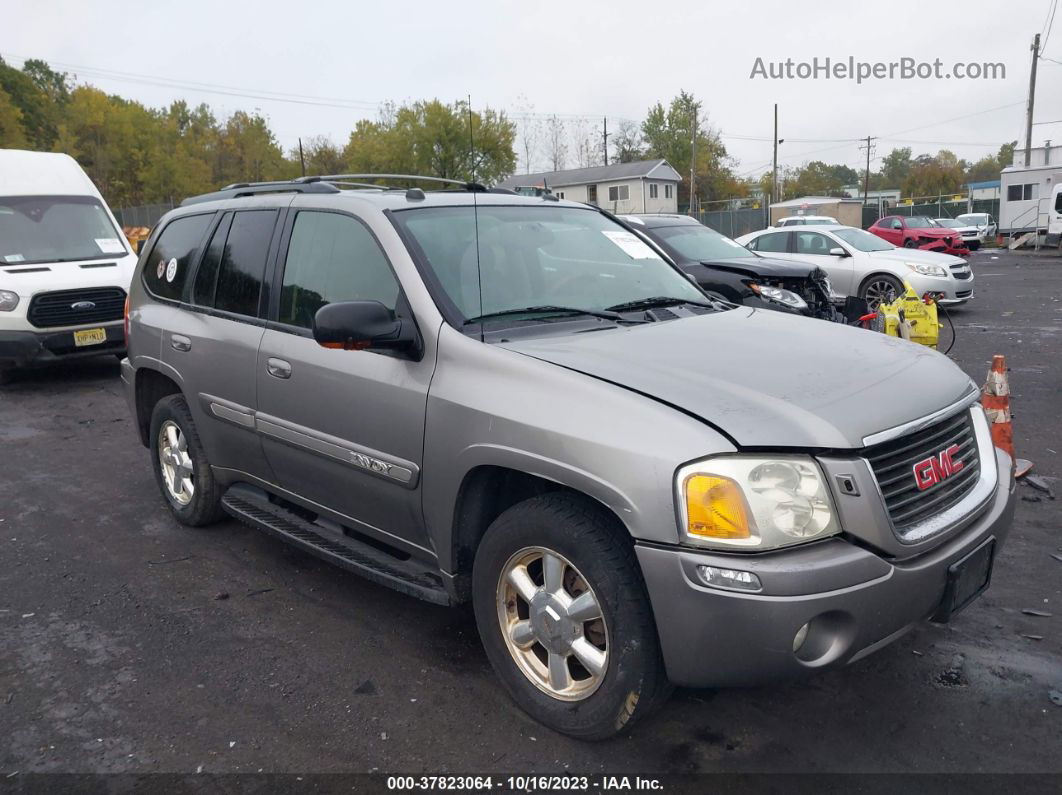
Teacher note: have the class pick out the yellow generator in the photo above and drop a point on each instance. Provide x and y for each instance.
(909, 317)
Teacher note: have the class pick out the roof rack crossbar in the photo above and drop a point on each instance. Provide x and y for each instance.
(239, 189)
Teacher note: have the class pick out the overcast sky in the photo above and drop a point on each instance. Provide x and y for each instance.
(575, 58)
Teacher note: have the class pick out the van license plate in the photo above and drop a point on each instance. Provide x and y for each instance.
(967, 579)
(90, 336)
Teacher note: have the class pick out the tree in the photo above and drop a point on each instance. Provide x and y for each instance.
(321, 155)
(556, 144)
(11, 134)
(935, 175)
(432, 138)
(895, 167)
(529, 132)
(39, 114)
(668, 133)
(627, 142)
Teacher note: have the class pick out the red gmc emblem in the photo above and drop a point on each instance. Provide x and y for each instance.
(930, 471)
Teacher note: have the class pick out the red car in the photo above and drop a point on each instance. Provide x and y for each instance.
(918, 231)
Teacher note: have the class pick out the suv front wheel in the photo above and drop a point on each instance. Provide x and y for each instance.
(181, 468)
(564, 617)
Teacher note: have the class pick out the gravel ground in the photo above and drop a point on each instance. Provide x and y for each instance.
(129, 644)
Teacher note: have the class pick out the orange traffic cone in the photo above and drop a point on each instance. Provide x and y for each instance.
(995, 397)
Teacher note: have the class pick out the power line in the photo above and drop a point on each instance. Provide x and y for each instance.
(1048, 24)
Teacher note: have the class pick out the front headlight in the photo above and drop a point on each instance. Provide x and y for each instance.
(8, 300)
(938, 271)
(754, 502)
(779, 296)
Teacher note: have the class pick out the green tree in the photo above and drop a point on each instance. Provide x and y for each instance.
(39, 113)
(321, 155)
(11, 133)
(668, 133)
(895, 167)
(432, 138)
(935, 175)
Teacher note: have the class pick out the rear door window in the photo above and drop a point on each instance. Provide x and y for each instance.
(166, 268)
(241, 266)
(776, 242)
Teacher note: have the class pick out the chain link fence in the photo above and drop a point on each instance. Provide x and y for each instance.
(141, 215)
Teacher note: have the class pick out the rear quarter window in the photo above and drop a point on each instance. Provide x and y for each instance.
(166, 267)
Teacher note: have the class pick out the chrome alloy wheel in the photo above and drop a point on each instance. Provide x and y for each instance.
(877, 291)
(552, 623)
(177, 468)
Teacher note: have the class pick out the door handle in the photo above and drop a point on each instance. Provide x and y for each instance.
(278, 368)
(180, 343)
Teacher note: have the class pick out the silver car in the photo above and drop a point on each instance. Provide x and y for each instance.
(864, 265)
(515, 401)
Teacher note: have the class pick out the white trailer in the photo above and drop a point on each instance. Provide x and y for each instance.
(1027, 192)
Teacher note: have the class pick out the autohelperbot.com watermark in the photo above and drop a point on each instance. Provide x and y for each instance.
(905, 68)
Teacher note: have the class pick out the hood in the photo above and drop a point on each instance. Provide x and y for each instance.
(30, 279)
(762, 266)
(767, 379)
(917, 255)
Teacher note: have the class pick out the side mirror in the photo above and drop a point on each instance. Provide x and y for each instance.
(838, 252)
(362, 325)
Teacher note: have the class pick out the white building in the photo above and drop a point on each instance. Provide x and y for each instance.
(644, 186)
(1025, 190)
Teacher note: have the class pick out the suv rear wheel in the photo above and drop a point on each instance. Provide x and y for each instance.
(564, 617)
(181, 467)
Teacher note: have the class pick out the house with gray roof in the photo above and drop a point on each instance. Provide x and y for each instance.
(644, 186)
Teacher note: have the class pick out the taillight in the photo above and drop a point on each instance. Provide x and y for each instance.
(125, 322)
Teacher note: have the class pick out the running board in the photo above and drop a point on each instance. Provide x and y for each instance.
(253, 507)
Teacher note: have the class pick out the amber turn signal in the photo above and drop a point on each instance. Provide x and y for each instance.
(715, 508)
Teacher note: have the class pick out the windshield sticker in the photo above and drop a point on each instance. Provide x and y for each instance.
(631, 245)
(171, 270)
(160, 270)
(110, 245)
(14, 258)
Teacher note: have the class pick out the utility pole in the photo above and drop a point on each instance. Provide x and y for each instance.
(866, 174)
(1032, 95)
(302, 159)
(605, 142)
(693, 161)
(774, 178)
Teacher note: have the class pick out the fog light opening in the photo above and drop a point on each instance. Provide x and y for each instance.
(729, 579)
(799, 638)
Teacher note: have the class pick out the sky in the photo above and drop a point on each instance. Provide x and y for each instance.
(320, 70)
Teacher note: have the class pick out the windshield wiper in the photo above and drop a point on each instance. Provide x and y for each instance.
(550, 309)
(652, 303)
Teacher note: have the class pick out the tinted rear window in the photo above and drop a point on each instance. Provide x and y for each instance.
(242, 266)
(166, 269)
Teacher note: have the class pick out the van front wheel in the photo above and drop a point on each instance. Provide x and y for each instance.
(564, 617)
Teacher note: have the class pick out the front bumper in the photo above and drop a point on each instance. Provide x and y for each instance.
(22, 349)
(855, 600)
(954, 291)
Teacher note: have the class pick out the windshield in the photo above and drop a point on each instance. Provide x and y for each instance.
(948, 222)
(863, 241)
(56, 229)
(973, 219)
(537, 257)
(920, 222)
(697, 242)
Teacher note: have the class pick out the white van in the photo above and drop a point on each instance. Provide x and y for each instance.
(1054, 219)
(64, 264)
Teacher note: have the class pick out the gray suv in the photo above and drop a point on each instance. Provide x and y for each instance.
(469, 395)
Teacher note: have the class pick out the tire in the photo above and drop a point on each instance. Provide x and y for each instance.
(201, 503)
(873, 290)
(595, 552)
(909, 243)
(974, 245)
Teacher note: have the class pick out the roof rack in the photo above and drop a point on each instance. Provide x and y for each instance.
(324, 184)
(469, 186)
(239, 189)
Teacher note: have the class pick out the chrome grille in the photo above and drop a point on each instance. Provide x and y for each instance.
(48, 310)
(893, 465)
